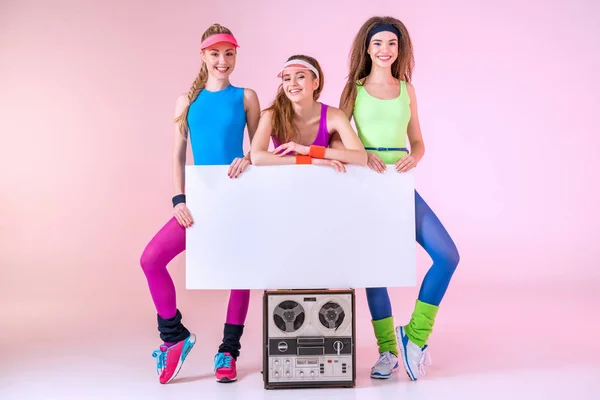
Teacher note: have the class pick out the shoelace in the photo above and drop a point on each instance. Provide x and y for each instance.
(425, 360)
(385, 358)
(161, 359)
(222, 360)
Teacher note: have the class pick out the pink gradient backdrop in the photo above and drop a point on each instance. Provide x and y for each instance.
(508, 104)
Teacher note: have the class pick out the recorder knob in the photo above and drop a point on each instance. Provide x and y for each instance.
(312, 373)
(301, 373)
(276, 374)
(338, 346)
(287, 374)
(276, 362)
(287, 362)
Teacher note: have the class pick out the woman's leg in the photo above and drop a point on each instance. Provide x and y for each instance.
(229, 350)
(164, 246)
(382, 319)
(383, 326)
(434, 238)
(237, 310)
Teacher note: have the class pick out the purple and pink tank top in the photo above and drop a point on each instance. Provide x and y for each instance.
(322, 138)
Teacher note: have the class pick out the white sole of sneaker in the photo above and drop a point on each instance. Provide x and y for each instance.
(399, 331)
(395, 369)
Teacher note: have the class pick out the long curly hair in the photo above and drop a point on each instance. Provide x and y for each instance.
(360, 60)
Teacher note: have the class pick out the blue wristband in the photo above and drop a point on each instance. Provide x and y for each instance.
(180, 198)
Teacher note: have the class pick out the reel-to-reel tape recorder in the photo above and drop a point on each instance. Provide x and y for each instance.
(309, 339)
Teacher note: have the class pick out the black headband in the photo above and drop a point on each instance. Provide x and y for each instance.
(382, 28)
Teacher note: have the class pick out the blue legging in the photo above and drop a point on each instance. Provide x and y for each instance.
(432, 236)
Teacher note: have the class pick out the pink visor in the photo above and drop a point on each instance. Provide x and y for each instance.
(218, 38)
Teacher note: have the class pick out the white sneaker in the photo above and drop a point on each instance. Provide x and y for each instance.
(384, 367)
(414, 357)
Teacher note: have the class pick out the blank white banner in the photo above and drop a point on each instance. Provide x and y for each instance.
(300, 227)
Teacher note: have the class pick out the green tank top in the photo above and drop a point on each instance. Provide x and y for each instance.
(382, 123)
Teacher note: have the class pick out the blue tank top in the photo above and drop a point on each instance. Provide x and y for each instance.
(216, 122)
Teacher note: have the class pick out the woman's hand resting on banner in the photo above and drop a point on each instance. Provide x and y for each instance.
(238, 166)
(182, 213)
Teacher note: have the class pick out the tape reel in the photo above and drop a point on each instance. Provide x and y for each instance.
(289, 317)
(332, 316)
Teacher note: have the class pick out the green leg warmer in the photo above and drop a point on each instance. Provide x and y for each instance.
(385, 334)
(421, 324)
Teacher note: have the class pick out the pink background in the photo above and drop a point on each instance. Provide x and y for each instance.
(508, 103)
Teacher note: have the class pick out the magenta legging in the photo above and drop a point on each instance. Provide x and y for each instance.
(164, 246)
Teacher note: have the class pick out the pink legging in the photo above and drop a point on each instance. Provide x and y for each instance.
(164, 246)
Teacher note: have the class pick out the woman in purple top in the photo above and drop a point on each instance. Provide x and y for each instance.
(300, 126)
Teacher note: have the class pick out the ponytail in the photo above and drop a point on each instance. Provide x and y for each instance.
(197, 86)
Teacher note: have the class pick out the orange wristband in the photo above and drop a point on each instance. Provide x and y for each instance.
(303, 159)
(316, 151)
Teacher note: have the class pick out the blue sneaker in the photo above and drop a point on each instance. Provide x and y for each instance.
(415, 358)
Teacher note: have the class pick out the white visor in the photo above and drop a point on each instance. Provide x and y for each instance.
(295, 63)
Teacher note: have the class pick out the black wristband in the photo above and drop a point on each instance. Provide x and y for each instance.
(180, 198)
